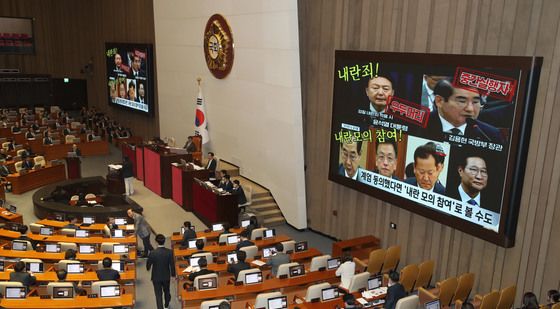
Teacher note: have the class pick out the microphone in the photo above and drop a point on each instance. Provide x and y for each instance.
(471, 122)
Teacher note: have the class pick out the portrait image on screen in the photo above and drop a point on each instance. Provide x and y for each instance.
(130, 76)
(444, 136)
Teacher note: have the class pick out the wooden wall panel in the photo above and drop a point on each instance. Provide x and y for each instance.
(68, 33)
(485, 27)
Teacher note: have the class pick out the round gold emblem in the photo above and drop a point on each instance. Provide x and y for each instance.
(218, 46)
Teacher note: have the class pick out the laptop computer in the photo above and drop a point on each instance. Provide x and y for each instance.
(245, 223)
(75, 268)
(333, 263)
(374, 282)
(120, 248)
(297, 270)
(88, 220)
(110, 291)
(60, 292)
(86, 249)
(269, 233)
(217, 227)
(192, 244)
(300, 246)
(233, 239)
(253, 278)
(81, 233)
(117, 233)
(52, 248)
(36, 267)
(193, 261)
(207, 283)
(329, 293)
(280, 302)
(120, 221)
(14, 292)
(434, 304)
(231, 257)
(118, 266)
(19, 245)
(46, 231)
(267, 252)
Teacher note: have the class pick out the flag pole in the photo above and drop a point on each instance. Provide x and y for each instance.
(198, 80)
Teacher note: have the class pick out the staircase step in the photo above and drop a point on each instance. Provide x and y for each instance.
(270, 213)
(264, 207)
(262, 200)
(274, 221)
(260, 194)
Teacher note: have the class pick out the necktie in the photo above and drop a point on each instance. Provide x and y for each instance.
(455, 131)
(472, 202)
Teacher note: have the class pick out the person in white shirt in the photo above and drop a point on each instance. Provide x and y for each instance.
(346, 271)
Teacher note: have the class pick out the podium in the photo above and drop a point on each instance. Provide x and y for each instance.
(115, 181)
(157, 169)
(211, 207)
(73, 167)
(182, 179)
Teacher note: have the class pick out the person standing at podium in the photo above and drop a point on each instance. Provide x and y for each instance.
(211, 165)
(128, 176)
(189, 145)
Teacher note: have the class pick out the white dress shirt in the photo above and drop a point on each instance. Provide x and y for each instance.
(346, 271)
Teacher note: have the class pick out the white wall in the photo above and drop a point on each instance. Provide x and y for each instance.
(254, 114)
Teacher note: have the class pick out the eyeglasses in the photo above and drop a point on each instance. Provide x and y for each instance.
(474, 171)
(346, 156)
(382, 158)
(463, 102)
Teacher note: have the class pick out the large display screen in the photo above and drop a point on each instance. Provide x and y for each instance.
(16, 35)
(444, 136)
(130, 76)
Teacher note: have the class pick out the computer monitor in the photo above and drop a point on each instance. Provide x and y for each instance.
(233, 239)
(12, 209)
(267, 252)
(110, 291)
(193, 261)
(374, 282)
(63, 292)
(245, 223)
(19, 245)
(253, 278)
(118, 266)
(117, 233)
(36, 267)
(329, 293)
(333, 263)
(434, 304)
(217, 227)
(207, 283)
(280, 302)
(231, 257)
(120, 221)
(52, 248)
(81, 233)
(75, 268)
(269, 233)
(120, 248)
(297, 270)
(183, 229)
(88, 220)
(192, 244)
(86, 249)
(300, 246)
(14, 292)
(46, 231)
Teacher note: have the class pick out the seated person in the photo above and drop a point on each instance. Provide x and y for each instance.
(28, 164)
(76, 150)
(395, 291)
(59, 195)
(226, 229)
(29, 134)
(199, 246)
(73, 223)
(202, 263)
(346, 270)
(226, 183)
(188, 234)
(4, 171)
(530, 301)
(27, 151)
(107, 273)
(253, 224)
(349, 301)
(278, 258)
(11, 145)
(189, 145)
(70, 254)
(67, 130)
(21, 275)
(35, 126)
(238, 190)
(90, 137)
(240, 265)
(61, 276)
(23, 231)
(16, 128)
(48, 140)
(3, 154)
(244, 243)
(553, 297)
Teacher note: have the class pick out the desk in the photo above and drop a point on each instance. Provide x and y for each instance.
(37, 143)
(94, 148)
(359, 247)
(82, 240)
(183, 184)
(9, 234)
(157, 169)
(209, 235)
(334, 303)
(94, 227)
(140, 162)
(36, 178)
(211, 207)
(5, 215)
(50, 276)
(228, 248)
(78, 302)
(60, 256)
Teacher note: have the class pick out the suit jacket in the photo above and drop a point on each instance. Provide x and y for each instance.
(27, 164)
(47, 141)
(244, 243)
(108, 274)
(212, 167)
(190, 147)
(486, 200)
(237, 267)
(394, 293)
(188, 235)
(438, 188)
(141, 226)
(24, 277)
(277, 260)
(434, 130)
(227, 186)
(241, 198)
(29, 135)
(4, 171)
(127, 171)
(162, 261)
(201, 272)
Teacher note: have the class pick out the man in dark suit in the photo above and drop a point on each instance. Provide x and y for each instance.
(253, 224)
(164, 268)
(188, 234)
(20, 275)
(211, 165)
(4, 171)
(350, 153)
(28, 163)
(278, 258)
(428, 164)
(235, 268)
(457, 113)
(244, 243)
(189, 145)
(107, 273)
(226, 183)
(395, 291)
(238, 190)
(202, 263)
(48, 140)
(136, 68)
(386, 158)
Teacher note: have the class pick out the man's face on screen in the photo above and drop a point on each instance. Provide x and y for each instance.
(461, 105)
(118, 60)
(350, 158)
(474, 177)
(427, 172)
(141, 90)
(136, 63)
(122, 90)
(378, 90)
(386, 159)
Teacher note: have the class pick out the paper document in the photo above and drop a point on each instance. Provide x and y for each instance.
(258, 262)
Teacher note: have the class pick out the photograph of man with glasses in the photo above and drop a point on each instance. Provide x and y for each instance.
(456, 114)
(350, 158)
(386, 158)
